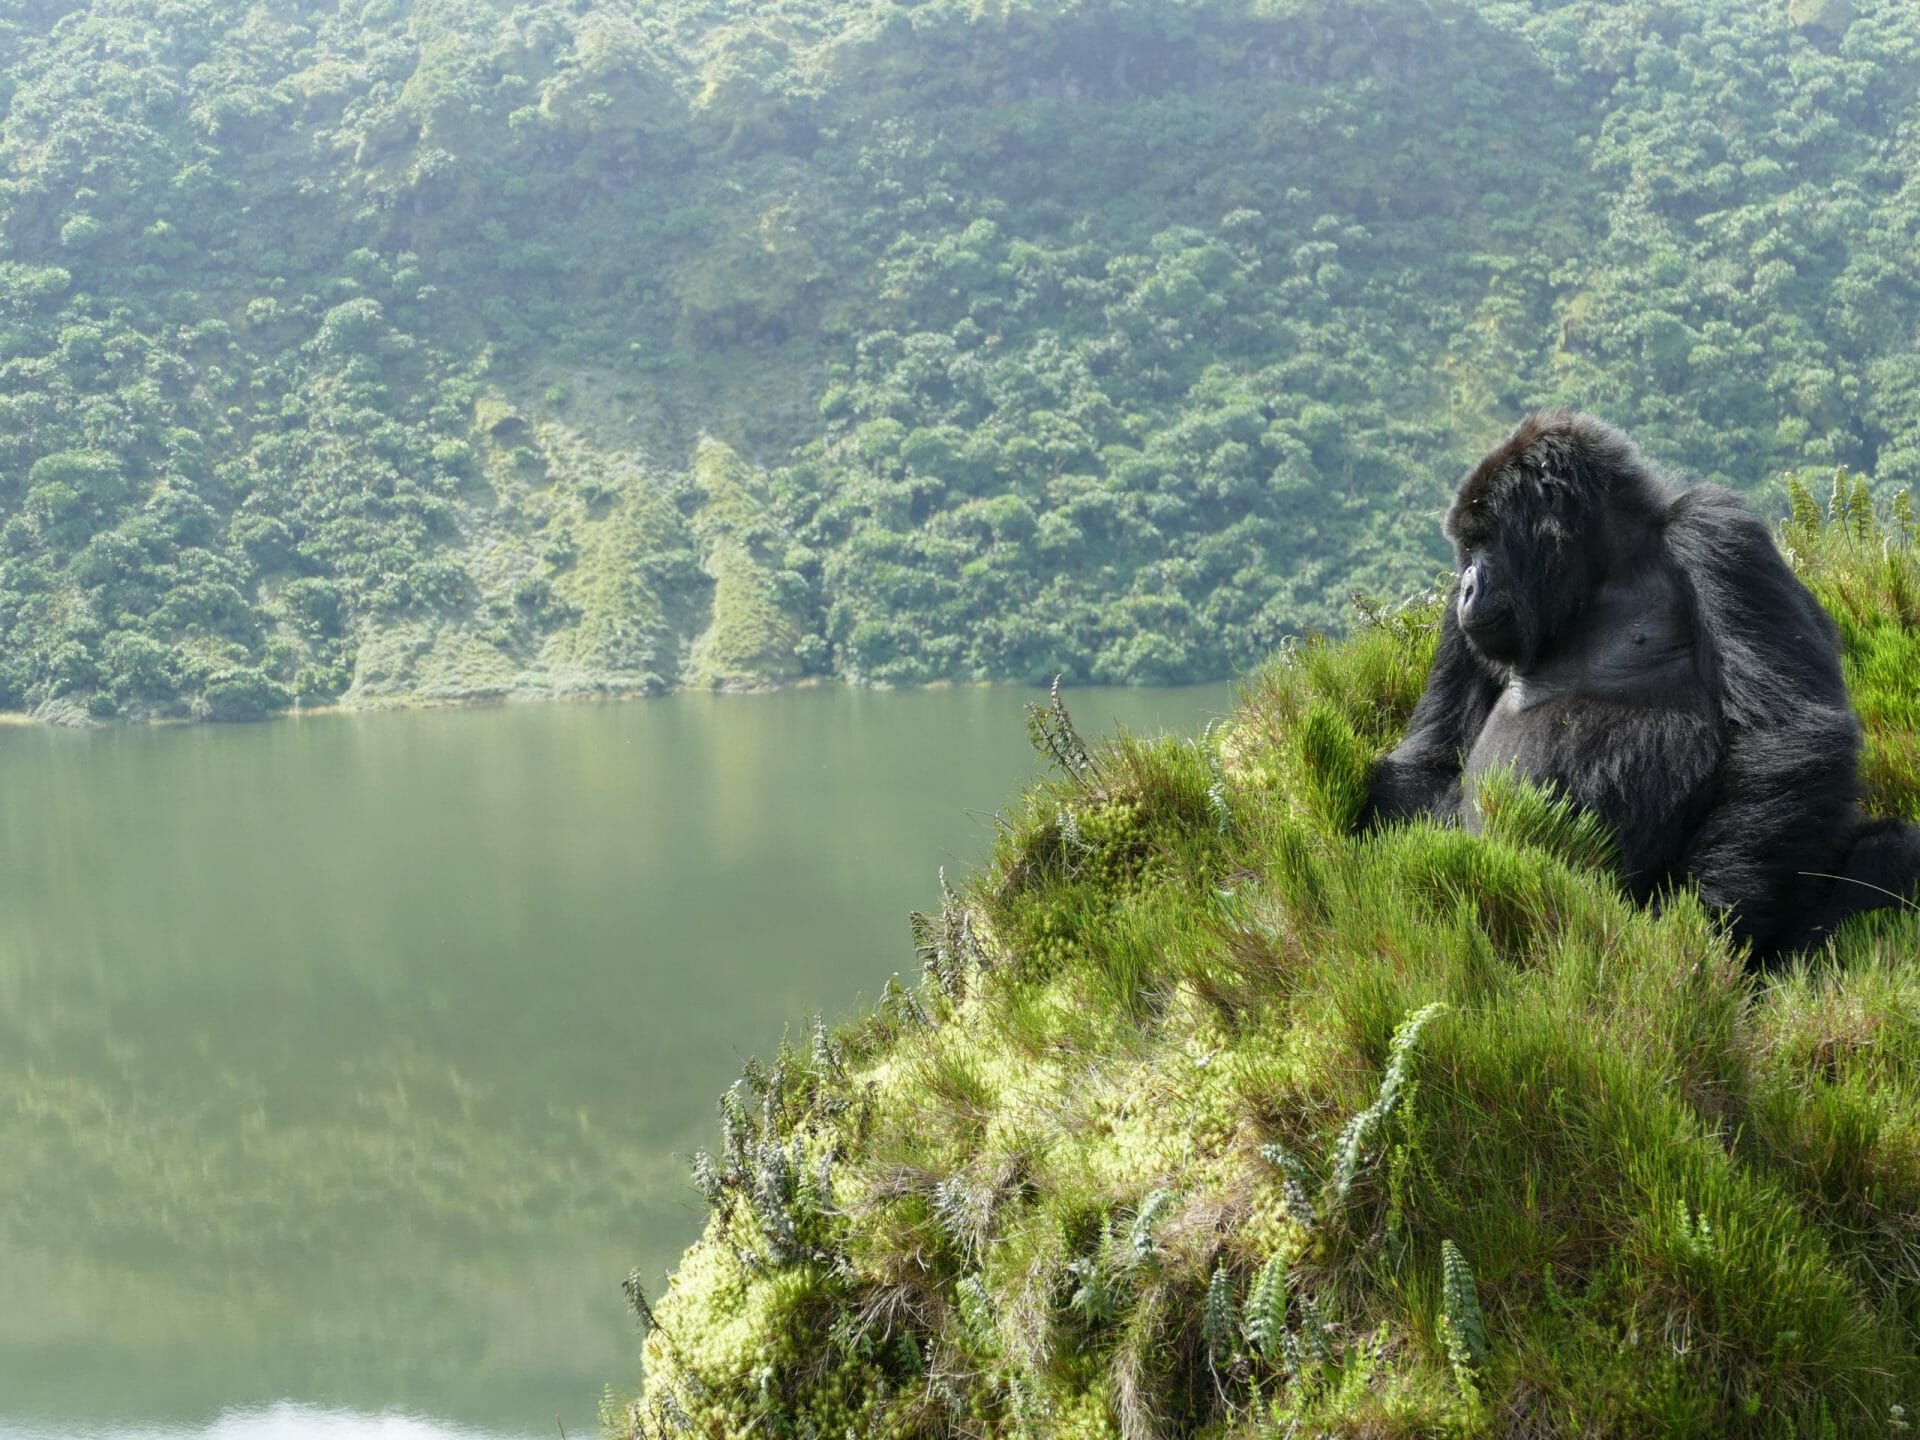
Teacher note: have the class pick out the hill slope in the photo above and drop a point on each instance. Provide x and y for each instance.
(1209, 1118)
(368, 350)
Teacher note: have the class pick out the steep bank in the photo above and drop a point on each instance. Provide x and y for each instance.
(1209, 1118)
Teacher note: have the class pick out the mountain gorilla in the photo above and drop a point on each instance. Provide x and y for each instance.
(1647, 652)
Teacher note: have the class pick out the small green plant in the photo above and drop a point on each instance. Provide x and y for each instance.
(1141, 1243)
(1351, 1148)
(1315, 1337)
(1297, 1184)
(949, 949)
(1691, 1230)
(1095, 1295)
(1051, 730)
(1266, 1314)
(1804, 522)
(1900, 517)
(1219, 1315)
(1840, 501)
(1462, 1329)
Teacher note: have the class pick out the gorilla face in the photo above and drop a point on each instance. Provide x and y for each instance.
(1527, 562)
(1487, 611)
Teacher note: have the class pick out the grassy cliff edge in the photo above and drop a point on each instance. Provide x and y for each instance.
(1209, 1118)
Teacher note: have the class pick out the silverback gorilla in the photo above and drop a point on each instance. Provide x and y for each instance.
(1647, 652)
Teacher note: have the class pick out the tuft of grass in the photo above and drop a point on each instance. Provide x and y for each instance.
(1203, 1104)
(1867, 574)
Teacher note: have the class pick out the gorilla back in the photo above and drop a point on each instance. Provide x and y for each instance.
(1647, 652)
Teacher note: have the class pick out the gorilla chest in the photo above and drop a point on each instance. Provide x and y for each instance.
(1608, 755)
(1618, 717)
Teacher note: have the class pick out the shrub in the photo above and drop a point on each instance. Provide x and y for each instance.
(241, 694)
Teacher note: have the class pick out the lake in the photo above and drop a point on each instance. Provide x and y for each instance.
(348, 1063)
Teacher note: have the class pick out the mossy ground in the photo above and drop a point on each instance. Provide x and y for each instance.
(1210, 1118)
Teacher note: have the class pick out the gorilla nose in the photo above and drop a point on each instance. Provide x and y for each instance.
(1486, 615)
(1473, 591)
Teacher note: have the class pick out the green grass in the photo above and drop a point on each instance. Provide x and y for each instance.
(1210, 1118)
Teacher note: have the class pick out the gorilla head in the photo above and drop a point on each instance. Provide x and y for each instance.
(1537, 525)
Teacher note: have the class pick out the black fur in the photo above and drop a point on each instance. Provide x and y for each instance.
(1647, 652)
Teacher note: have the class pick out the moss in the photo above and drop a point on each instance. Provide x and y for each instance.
(1211, 1118)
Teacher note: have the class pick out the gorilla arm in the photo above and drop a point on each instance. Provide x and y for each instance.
(1786, 785)
(1422, 775)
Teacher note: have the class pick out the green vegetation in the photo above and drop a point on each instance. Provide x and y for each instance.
(1210, 1118)
(370, 351)
(751, 636)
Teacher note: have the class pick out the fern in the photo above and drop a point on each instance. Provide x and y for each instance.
(1152, 1211)
(736, 1129)
(1070, 838)
(672, 1414)
(1288, 1163)
(1861, 507)
(1217, 805)
(1314, 1332)
(707, 1179)
(1219, 1319)
(1051, 730)
(1806, 521)
(774, 1099)
(829, 1061)
(1840, 499)
(1461, 1326)
(1350, 1149)
(1693, 1232)
(773, 1195)
(949, 951)
(1295, 1194)
(1095, 1299)
(965, 1211)
(1266, 1323)
(1293, 1355)
(896, 999)
(976, 1313)
(1900, 517)
(637, 1301)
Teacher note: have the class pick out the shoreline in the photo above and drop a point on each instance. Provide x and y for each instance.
(24, 719)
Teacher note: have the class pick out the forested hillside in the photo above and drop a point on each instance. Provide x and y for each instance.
(455, 349)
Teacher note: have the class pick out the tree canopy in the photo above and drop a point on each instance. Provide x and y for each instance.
(374, 348)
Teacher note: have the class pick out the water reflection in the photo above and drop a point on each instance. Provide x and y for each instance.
(284, 1421)
(349, 1059)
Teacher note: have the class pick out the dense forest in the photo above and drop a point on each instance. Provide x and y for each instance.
(459, 349)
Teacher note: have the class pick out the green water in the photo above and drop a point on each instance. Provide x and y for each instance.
(348, 1063)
